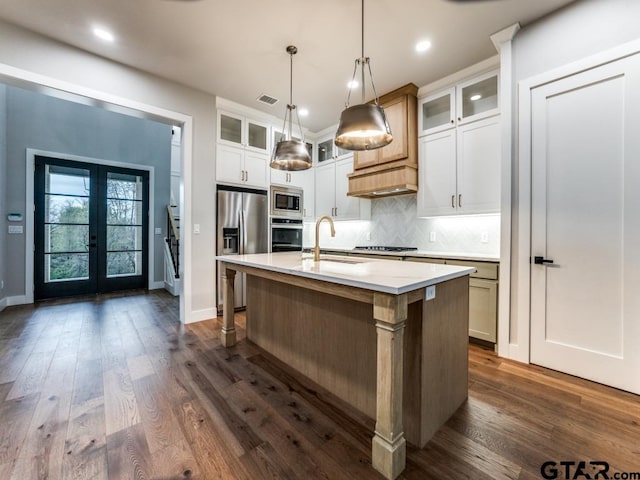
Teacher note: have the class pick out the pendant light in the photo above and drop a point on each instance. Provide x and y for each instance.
(290, 154)
(364, 126)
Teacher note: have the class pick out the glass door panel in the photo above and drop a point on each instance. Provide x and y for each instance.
(124, 225)
(479, 98)
(230, 129)
(257, 136)
(91, 228)
(325, 150)
(436, 112)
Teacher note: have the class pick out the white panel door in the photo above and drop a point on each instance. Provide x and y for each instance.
(479, 149)
(585, 306)
(437, 174)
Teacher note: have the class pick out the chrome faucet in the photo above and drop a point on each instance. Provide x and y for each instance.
(316, 249)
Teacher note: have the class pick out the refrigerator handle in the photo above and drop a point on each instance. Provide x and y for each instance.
(241, 233)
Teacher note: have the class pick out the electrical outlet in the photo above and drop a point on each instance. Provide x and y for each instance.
(196, 228)
(430, 292)
(484, 237)
(158, 231)
(15, 229)
(432, 236)
(368, 236)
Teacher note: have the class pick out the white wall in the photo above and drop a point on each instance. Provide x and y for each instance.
(27, 51)
(579, 30)
(3, 190)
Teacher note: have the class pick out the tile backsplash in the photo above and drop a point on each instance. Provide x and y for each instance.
(394, 222)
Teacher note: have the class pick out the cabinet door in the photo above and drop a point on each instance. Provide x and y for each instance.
(325, 150)
(436, 112)
(366, 158)
(325, 189)
(347, 208)
(255, 169)
(304, 179)
(257, 136)
(230, 129)
(479, 167)
(437, 174)
(396, 113)
(483, 302)
(279, 177)
(477, 98)
(229, 164)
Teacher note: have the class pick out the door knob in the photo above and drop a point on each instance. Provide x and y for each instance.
(541, 260)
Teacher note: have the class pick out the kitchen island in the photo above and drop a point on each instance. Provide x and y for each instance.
(364, 330)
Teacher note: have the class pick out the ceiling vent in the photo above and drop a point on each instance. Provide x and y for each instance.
(267, 99)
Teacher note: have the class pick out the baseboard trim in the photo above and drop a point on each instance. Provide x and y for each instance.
(156, 285)
(12, 301)
(200, 315)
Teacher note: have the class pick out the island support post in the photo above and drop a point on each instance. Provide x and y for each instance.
(228, 334)
(388, 450)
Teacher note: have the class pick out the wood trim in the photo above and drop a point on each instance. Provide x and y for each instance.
(228, 333)
(408, 89)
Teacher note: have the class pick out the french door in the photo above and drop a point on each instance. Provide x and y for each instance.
(91, 228)
(585, 272)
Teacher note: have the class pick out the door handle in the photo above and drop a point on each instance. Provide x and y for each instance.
(542, 260)
(91, 245)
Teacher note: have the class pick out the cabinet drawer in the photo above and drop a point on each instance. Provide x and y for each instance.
(483, 269)
(425, 260)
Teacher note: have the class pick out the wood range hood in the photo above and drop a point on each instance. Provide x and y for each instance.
(391, 170)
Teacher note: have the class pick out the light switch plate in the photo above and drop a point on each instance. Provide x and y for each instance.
(158, 231)
(13, 229)
(432, 236)
(484, 237)
(196, 228)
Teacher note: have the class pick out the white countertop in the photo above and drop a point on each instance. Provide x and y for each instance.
(388, 276)
(477, 257)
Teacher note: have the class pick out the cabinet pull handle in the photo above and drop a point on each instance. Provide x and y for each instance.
(459, 118)
(336, 211)
(304, 212)
(453, 201)
(460, 200)
(453, 121)
(246, 176)
(242, 175)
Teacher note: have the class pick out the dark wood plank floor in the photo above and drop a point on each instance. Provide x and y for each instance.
(114, 387)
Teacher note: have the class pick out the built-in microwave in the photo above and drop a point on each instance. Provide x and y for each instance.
(286, 202)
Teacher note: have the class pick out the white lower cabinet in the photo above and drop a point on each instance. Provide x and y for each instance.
(240, 166)
(459, 170)
(332, 185)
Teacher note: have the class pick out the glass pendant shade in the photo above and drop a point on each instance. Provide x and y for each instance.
(363, 127)
(290, 154)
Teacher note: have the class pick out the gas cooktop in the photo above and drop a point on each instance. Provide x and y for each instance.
(381, 248)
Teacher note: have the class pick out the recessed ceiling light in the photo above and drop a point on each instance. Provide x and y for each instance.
(353, 84)
(103, 34)
(475, 97)
(303, 112)
(423, 46)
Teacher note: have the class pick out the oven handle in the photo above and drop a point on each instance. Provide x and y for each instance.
(286, 226)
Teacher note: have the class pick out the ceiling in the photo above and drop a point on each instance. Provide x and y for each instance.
(236, 48)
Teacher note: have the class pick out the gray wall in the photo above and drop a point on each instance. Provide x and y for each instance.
(3, 187)
(46, 123)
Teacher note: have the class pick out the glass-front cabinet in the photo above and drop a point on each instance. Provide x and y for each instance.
(466, 102)
(437, 112)
(240, 131)
(478, 98)
(327, 150)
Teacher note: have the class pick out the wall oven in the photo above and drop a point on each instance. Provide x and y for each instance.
(286, 234)
(286, 202)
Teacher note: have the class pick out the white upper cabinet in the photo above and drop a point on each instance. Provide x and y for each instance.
(466, 102)
(460, 170)
(239, 131)
(328, 151)
(242, 153)
(332, 184)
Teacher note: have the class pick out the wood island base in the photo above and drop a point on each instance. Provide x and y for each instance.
(397, 358)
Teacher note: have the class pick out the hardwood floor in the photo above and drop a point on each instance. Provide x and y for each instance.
(114, 387)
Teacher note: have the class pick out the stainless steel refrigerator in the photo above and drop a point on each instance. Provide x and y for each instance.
(242, 227)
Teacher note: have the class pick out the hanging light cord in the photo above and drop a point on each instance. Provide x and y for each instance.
(362, 61)
(288, 128)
